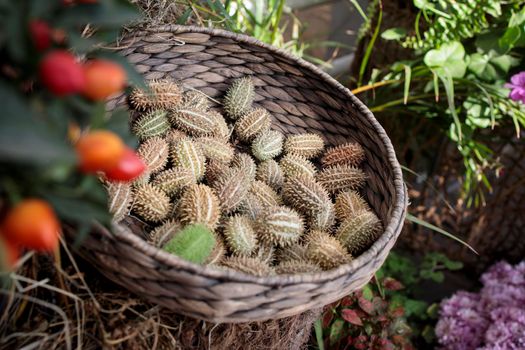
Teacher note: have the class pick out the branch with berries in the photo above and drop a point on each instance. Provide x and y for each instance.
(56, 138)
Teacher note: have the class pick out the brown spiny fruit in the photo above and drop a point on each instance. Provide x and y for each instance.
(358, 232)
(304, 145)
(217, 254)
(246, 163)
(326, 251)
(323, 218)
(265, 194)
(347, 154)
(195, 99)
(280, 225)
(214, 170)
(305, 194)
(293, 166)
(341, 178)
(142, 179)
(270, 172)
(151, 203)
(193, 121)
(251, 206)
(174, 135)
(173, 180)
(199, 205)
(155, 123)
(239, 97)
(120, 197)
(295, 252)
(162, 94)
(253, 123)
(163, 233)
(222, 130)
(240, 235)
(231, 188)
(268, 145)
(185, 154)
(251, 266)
(348, 203)
(215, 149)
(155, 152)
(296, 267)
(265, 252)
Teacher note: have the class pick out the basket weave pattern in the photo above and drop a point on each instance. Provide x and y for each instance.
(300, 98)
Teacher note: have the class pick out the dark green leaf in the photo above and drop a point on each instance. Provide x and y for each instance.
(78, 210)
(105, 14)
(336, 331)
(510, 38)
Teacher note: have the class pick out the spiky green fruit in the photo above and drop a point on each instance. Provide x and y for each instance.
(217, 254)
(186, 154)
(348, 203)
(251, 206)
(193, 243)
(162, 94)
(214, 170)
(294, 252)
(174, 135)
(215, 149)
(199, 205)
(358, 232)
(251, 266)
(265, 194)
(326, 251)
(155, 152)
(155, 123)
(120, 196)
(231, 188)
(341, 178)
(163, 233)
(304, 145)
(193, 121)
(245, 163)
(195, 99)
(240, 235)
(252, 124)
(296, 267)
(293, 166)
(280, 225)
(239, 97)
(268, 145)
(151, 203)
(304, 194)
(173, 180)
(347, 154)
(270, 172)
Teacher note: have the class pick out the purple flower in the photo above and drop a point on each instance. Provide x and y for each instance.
(517, 84)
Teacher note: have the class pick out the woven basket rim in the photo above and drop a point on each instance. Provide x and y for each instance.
(398, 212)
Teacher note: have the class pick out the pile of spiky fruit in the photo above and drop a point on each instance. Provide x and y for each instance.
(212, 202)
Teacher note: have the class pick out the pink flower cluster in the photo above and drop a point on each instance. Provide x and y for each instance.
(493, 319)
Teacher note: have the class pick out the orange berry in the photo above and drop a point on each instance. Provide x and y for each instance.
(99, 151)
(103, 79)
(32, 224)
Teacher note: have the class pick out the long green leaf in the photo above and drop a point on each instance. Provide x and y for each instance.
(449, 90)
(318, 327)
(359, 9)
(370, 46)
(408, 77)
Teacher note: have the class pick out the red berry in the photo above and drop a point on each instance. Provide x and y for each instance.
(128, 168)
(32, 224)
(61, 73)
(40, 34)
(103, 79)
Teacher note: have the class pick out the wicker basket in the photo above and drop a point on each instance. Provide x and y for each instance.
(301, 98)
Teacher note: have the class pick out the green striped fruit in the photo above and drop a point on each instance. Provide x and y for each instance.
(252, 124)
(155, 123)
(348, 203)
(341, 178)
(270, 172)
(120, 197)
(280, 225)
(185, 154)
(199, 205)
(173, 180)
(305, 195)
(232, 188)
(360, 231)
(239, 97)
(304, 145)
(163, 233)
(251, 266)
(215, 149)
(151, 203)
(293, 166)
(347, 154)
(240, 235)
(162, 94)
(326, 251)
(268, 145)
(154, 152)
(193, 121)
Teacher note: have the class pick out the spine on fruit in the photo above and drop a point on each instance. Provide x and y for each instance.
(304, 145)
(185, 154)
(294, 166)
(151, 203)
(195, 99)
(326, 251)
(341, 178)
(348, 203)
(120, 197)
(240, 235)
(199, 205)
(252, 124)
(173, 180)
(215, 149)
(246, 164)
(270, 172)
(155, 123)
(265, 194)
(232, 188)
(163, 94)
(248, 265)
(155, 152)
(194, 121)
(239, 97)
(347, 154)
(163, 233)
(280, 226)
(360, 231)
(296, 267)
(268, 145)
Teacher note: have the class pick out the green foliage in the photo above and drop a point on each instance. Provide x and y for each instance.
(194, 243)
